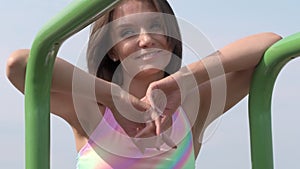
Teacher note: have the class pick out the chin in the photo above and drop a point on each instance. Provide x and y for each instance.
(146, 72)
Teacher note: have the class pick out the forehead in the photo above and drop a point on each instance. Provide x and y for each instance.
(129, 7)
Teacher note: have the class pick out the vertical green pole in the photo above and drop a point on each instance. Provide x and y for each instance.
(260, 99)
(43, 52)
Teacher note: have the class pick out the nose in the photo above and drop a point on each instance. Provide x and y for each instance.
(145, 40)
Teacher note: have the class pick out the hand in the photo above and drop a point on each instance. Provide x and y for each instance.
(126, 106)
(127, 110)
(164, 97)
(155, 110)
(137, 112)
(150, 131)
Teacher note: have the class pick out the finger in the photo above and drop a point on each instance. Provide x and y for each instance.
(156, 97)
(157, 123)
(130, 107)
(142, 108)
(151, 115)
(158, 142)
(154, 114)
(145, 99)
(157, 126)
(166, 122)
(139, 105)
(158, 100)
(148, 130)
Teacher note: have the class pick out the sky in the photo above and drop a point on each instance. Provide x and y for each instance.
(227, 142)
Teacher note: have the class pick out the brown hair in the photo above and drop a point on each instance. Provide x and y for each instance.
(100, 64)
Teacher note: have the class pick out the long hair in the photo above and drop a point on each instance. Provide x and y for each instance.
(100, 64)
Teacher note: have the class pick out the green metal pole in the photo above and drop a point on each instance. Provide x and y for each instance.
(260, 99)
(43, 52)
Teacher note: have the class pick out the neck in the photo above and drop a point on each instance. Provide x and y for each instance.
(138, 85)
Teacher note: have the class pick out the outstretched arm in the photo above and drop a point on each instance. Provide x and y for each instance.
(62, 78)
(240, 55)
(62, 94)
(235, 62)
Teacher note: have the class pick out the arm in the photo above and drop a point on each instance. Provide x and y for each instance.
(62, 82)
(235, 62)
(62, 78)
(238, 56)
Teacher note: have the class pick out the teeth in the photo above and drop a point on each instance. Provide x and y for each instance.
(147, 55)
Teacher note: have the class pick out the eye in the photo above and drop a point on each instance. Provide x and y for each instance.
(127, 33)
(156, 26)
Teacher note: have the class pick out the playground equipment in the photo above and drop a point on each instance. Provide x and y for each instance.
(80, 14)
(260, 98)
(75, 17)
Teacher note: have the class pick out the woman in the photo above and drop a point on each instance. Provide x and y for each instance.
(137, 61)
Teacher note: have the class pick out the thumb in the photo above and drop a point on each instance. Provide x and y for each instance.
(140, 105)
(145, 99)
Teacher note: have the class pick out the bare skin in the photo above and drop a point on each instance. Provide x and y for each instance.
(238, 60)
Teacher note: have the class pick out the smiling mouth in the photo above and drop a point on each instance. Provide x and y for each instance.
(149, 55)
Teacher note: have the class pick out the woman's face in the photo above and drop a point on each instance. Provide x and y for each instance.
(139, 35)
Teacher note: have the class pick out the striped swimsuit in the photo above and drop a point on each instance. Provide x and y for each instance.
(109, 147)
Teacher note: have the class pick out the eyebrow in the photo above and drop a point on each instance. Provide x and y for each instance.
(125, 25)
(128, 24)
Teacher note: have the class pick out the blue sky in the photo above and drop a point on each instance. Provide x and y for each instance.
(222, 22)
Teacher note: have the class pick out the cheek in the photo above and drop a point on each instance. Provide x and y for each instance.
(124, 49)
(163, 42)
